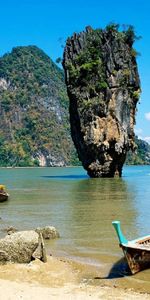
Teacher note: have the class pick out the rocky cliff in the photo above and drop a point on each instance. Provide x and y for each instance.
(103, 87)
(34, 123)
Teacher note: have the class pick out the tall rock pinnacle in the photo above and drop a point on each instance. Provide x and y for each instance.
(103, 87)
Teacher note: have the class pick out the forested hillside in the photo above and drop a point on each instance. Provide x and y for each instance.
(141, 155)
(34, 125)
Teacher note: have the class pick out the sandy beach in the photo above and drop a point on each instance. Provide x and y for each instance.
(57, 279)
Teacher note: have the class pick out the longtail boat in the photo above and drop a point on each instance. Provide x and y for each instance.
(136, 252)
(3, 194)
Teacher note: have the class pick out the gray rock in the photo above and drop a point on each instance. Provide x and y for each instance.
(10, 230)
(3, 256)
(19, 247)
(40, 252)
(48, 232)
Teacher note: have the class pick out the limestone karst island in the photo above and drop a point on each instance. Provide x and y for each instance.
(103, 87)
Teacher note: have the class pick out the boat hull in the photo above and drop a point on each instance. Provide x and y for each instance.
(137, 259)
(136, 252)
(3, 197)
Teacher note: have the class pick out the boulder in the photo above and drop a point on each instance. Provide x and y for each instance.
(48, 232)
(19, 246)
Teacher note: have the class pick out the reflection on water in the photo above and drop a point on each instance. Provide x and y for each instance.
(93, 205)
(81, 208)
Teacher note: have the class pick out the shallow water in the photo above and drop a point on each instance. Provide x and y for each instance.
(82, 210)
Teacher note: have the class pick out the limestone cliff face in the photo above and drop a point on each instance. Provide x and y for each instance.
(103, 87)
(34, 123)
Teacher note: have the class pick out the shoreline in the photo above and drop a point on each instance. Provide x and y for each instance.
(60, 278)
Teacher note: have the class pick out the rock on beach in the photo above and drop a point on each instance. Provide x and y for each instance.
(19, 246)
(48, 232)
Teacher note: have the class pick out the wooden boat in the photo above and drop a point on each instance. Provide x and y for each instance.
(136, 252)
(3, 194)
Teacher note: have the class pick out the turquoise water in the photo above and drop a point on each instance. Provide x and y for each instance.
(81, 208)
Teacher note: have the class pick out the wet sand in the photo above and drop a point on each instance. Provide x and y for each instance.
(60, 278)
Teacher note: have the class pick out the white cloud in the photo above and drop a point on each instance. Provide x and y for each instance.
(147, 139)
(147, 116)
(140, 137)
(140, 134)
(138, 131)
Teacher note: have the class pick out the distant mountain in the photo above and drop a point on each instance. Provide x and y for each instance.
(141, 155)
(34, 122)
(34, 119)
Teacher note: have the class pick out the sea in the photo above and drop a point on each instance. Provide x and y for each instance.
(82, 209)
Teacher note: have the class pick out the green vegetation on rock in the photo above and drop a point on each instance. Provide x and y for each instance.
(141, 155)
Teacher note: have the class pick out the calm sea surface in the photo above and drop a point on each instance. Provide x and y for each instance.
(81, 208)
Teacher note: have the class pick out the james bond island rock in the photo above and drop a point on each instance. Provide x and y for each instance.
(103, 87)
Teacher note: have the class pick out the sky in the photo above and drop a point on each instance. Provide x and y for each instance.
(48, 23)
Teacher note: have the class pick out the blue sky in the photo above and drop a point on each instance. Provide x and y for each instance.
(47, 24)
